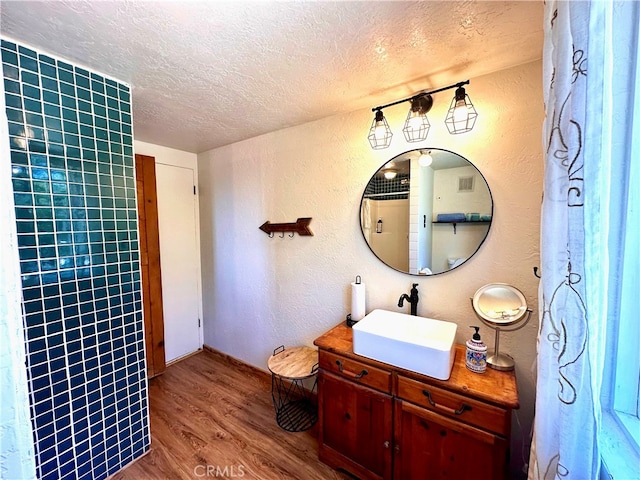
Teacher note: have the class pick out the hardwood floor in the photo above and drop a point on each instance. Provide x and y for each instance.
(213, 417)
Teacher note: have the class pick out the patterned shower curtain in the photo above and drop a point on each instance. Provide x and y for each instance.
(571, 338)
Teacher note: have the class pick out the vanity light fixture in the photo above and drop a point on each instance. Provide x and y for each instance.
(425, 159)
(416, 126)
(461, 117)
(380, 133)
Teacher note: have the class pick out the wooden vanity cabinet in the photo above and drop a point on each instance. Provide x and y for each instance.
(355, 412)
(382, 422)
(431, 445)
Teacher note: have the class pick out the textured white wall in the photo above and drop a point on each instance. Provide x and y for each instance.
(17, 453)
(260, 292)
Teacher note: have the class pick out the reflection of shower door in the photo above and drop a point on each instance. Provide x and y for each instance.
(392, 245)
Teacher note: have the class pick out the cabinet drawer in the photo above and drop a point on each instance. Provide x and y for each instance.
(356, 371)
(464, 409)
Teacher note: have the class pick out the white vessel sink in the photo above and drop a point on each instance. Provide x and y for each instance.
(419, 344)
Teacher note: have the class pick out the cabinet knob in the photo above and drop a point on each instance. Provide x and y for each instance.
(386, 444)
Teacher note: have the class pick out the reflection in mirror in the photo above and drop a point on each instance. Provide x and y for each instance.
(426, 211)
(499, 303)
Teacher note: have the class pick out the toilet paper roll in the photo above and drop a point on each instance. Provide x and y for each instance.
(357, 301)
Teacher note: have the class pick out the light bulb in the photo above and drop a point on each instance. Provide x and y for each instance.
(415, 122)
(380, 131)
(460, 112)
(425, 160)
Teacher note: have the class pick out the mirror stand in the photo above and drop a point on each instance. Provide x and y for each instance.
(501, 307)
(495, 359)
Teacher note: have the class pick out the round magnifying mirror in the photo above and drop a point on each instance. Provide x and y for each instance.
(426, 211)
(501, 307)
(500, 303)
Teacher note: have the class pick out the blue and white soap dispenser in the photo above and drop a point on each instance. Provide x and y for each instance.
(476, 353)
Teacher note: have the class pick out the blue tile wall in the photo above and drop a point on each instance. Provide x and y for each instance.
(75, 199)
(399, 186)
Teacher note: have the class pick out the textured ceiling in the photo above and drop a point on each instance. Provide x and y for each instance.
(206, 74)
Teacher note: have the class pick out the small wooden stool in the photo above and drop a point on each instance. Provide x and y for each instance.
(295, 410)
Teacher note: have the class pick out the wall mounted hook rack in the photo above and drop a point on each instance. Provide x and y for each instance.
(300, 226)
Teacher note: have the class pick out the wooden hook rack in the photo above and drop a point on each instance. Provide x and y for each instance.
(300, 226)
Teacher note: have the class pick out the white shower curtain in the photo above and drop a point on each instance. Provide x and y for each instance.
(575, 241)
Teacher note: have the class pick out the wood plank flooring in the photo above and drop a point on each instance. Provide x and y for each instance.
(213, 417)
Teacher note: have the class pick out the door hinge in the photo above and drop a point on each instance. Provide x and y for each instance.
(198, 322)
(194, 189)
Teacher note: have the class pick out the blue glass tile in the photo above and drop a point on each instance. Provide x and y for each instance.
(87, 142)
(50, 97)
(21, 185)
(16, 130)
(22, 199)
(28, 63)
(47, 70)
(13, 101)
(33, 306)
(53, 329)
(112, 103)
(68, 102)
(73, 152)
(73, 189)
(50, 85)
(98, 99)
(83, 105)
(54, 136)
(32, 105)
(24, 51)
(69, 92)
(50, 470)
(14, 115)
(9, 57)
(37, 146)
(25, 228)
(88, 155)
(35, 120)
(51, 315)
(31, 92)
(29, 78)
(111, 91)
(11, 86)
(70, 116)
(10, 71)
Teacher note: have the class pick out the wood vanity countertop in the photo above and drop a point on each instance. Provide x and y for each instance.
(493, 386)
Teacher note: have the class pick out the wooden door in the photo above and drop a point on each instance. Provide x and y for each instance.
(356, 426)
(150, 264)
(429, 445)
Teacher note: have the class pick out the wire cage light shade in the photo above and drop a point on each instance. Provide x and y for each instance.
(462, 115)
(379, 134)
(416, 126)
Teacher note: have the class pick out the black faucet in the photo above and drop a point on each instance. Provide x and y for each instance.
(413, 299)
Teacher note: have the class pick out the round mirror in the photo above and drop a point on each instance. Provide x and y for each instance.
(426, 211)
(499, 303)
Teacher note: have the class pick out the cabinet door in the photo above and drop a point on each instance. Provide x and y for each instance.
(431, 446)
(355, 424)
